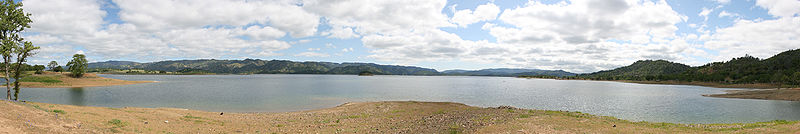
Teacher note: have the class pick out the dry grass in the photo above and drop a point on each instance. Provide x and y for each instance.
(369, 117)
(89, 80)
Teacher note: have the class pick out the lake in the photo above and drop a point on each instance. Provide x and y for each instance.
(281, 93)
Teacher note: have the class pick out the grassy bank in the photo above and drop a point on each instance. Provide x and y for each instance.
(63, 80)
(370, 117)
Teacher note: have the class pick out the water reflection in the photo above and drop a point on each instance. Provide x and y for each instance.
(77, 96)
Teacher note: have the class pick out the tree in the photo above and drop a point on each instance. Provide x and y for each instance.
(13, 21)
(38, 69)
(58, 69)
(22, 53)
(78, 65)
(52, 65)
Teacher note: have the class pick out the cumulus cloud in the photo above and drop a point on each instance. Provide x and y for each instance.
(727, 14)
(368, 17)
(64, 17)
(161, 30)
(578, 36)
(312, 54)
(156, 15)
(780, 8)
(484, 12)
(347, 50)
(585, 22)
(761, 39)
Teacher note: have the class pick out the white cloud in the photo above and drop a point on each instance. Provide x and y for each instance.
(761, 39)
(486, 12)
(341, 33)
(705, 13)
(723, 1)
(385, 17)
(312, 54)
(329, 45)
(65, 17)
(347, 50)
(580, 23)
(161, 30)
(578, 36)
(262, 33)
(43, 39)
(780, 8)
(154, 15)
(727, 14)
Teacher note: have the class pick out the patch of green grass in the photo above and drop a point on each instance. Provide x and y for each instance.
(510, 110)
(59, 111)
(192, 117)
(38, 107)
(353, 116)
(279, 125)
(454, 129)
(42, 79)
(524, 115)
(117, 123)
(439, 112)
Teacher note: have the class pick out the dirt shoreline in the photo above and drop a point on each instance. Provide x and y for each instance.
(788, 94)
(359, 117)
(89, 80)
(762, 91)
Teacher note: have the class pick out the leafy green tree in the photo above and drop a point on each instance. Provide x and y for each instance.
(13, 21)
(58, 69)
(52, 65)
(22, 54)
(38, 69)
(78, 65)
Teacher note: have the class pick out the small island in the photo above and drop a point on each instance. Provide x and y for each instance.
(365, 73)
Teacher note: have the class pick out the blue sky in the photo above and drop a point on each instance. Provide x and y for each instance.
(577, 36)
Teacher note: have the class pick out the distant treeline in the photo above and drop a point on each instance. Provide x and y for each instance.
(257, 66)
(783, 68)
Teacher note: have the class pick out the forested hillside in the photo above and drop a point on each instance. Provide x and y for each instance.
(639, 69)
(783, 68)
(256, 66)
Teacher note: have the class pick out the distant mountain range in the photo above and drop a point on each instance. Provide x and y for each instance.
(256, 66)
(783, 68)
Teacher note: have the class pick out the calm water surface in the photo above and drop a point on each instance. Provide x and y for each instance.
(278, 93)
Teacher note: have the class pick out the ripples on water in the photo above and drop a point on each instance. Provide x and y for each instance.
(277, 93)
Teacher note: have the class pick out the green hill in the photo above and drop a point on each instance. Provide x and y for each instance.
(251, 66)
(642, 68)
(783, 68)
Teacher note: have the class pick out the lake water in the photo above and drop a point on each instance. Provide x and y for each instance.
(279, 93)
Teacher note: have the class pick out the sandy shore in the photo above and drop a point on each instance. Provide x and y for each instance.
(89, 80)
(762, 91)
(789, 94)
(366, 117)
